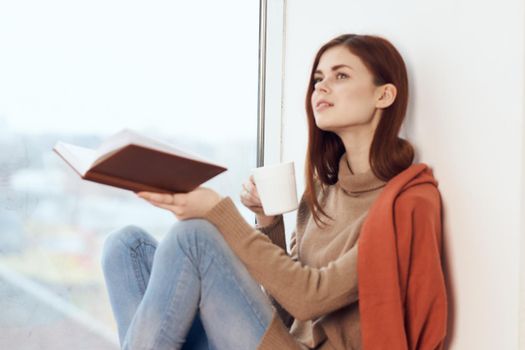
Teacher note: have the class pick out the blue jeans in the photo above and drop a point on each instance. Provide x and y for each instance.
(189, 291)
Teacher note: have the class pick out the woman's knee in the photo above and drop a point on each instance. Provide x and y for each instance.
(125, 238)
(189, 234)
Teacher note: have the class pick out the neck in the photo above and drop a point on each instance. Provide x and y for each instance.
(363, 167)
(357, 153)
(357, 141)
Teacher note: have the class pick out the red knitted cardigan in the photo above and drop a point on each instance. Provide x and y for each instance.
(402, 294)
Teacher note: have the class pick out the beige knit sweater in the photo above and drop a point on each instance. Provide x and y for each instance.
(314, 288)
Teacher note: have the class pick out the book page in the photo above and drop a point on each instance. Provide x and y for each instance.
(79, 158)
(127, 137)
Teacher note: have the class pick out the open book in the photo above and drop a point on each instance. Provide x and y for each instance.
(135, 162)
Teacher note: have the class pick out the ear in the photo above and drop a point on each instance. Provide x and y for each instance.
(386, 95)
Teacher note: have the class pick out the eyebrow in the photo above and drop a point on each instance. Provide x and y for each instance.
(334, 68)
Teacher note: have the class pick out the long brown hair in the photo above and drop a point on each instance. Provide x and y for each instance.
(389, 154)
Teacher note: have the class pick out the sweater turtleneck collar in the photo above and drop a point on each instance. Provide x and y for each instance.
(356, 184)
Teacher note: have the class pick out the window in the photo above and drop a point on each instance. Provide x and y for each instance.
(79, 72)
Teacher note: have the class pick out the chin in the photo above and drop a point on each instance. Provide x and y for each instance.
(324, 125)
(327, 128)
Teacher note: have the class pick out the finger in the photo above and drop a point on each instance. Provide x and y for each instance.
(180, 198)
(249, 197)
(169, 207)
(254, 192)
(245, 190)
(245, 186)
(254, 195)
(257, 209)
(174, 209)
(157, 197)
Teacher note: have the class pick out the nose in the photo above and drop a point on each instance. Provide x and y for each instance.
(321, 86)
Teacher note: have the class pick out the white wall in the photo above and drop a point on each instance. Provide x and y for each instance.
(466, 65)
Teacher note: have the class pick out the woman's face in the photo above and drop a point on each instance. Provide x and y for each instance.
(342, 80)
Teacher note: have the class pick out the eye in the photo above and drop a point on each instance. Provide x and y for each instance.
(316, 80)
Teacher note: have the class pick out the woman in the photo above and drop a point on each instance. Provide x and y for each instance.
(200, 287)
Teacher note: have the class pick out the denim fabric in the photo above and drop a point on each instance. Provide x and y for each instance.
(189, 291)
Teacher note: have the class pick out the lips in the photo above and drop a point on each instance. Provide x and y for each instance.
(322, 104)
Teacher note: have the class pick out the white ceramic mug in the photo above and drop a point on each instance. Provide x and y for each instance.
(276, 187)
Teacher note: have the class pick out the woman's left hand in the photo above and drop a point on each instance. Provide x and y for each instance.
(194, 204)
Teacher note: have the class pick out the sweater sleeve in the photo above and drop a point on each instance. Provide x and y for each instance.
(275, 231)
(305, 292)
(285, 316)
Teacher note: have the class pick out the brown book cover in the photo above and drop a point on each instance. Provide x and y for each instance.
(135, 162)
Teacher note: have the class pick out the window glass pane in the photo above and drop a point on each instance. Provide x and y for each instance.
(185, 72)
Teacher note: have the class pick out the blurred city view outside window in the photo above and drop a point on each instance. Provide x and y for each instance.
(184, 72)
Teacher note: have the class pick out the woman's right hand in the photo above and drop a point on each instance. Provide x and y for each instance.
(250, 199)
